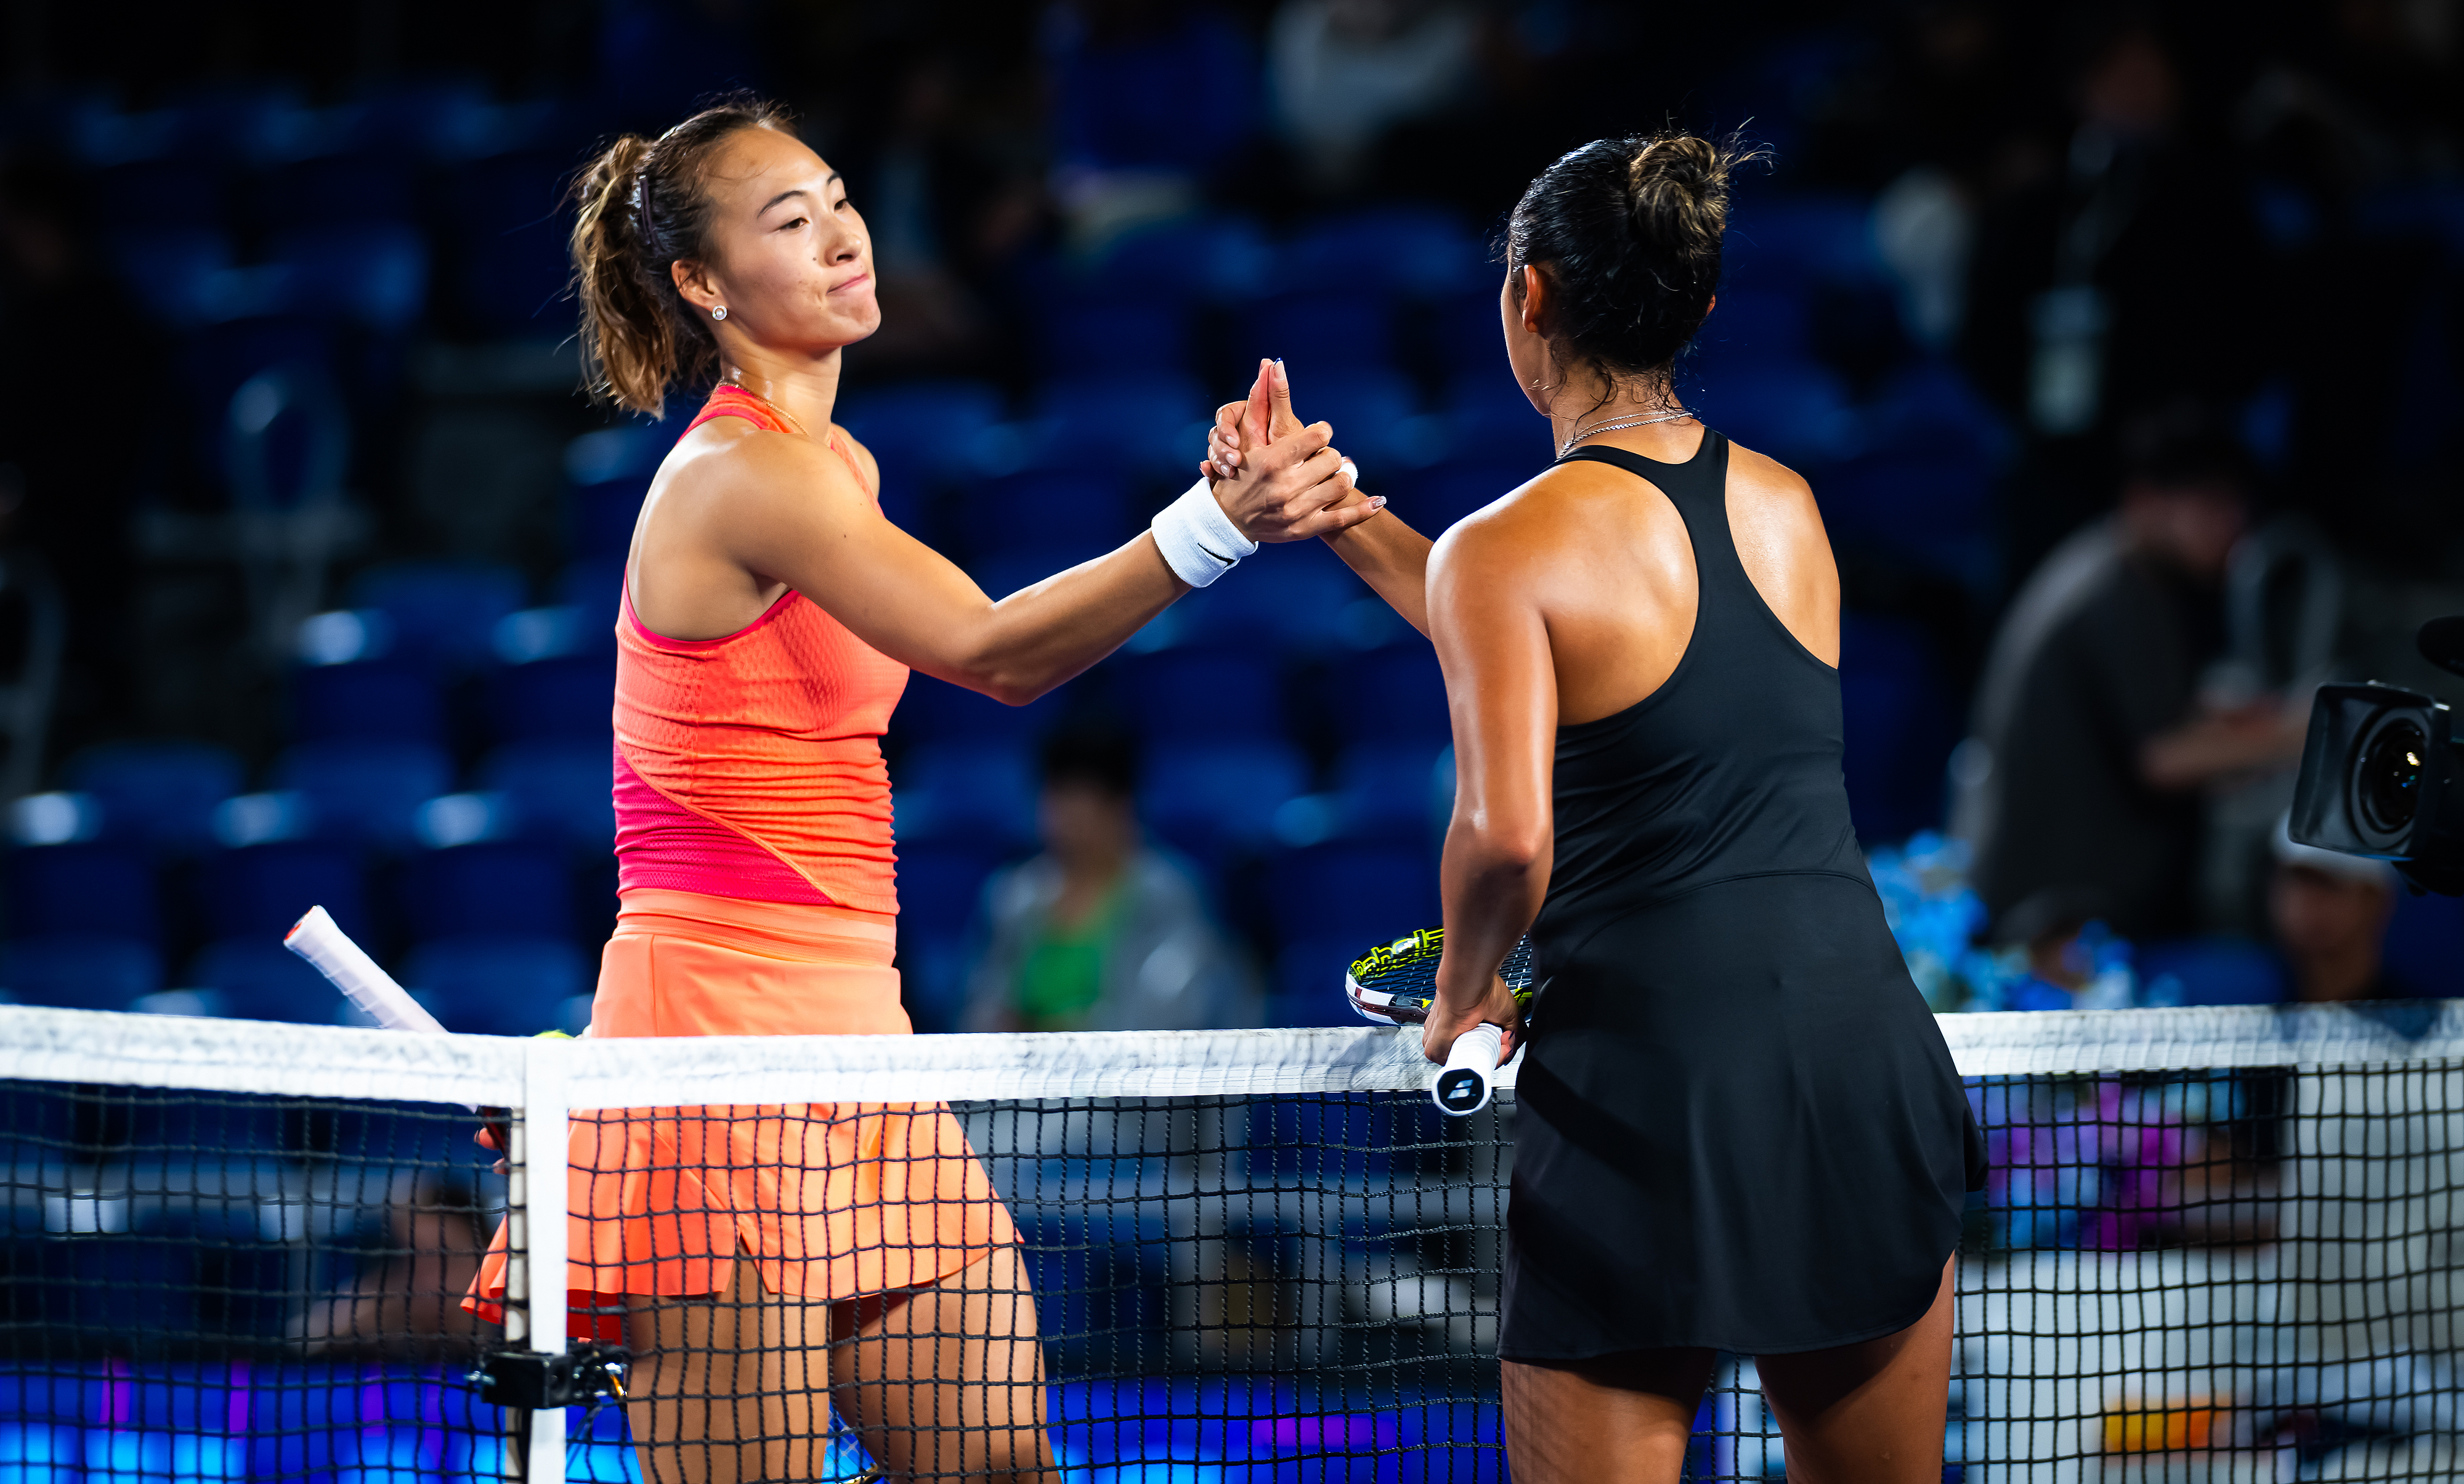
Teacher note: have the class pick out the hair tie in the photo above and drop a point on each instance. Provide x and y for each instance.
(642, 208)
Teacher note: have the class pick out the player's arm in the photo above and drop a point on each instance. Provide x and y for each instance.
(1492, 641)
(789, 511)
(1390, 556)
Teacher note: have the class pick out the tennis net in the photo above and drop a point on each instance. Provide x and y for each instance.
(2217, 1245)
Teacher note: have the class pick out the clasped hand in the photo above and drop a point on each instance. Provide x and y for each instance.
(1278, 479)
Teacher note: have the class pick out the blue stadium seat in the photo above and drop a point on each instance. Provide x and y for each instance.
(1364, 892)
(1490, 423)
(2425, 946)
(78, 971)
(980, 793)
(373, 275)
(1146, 425)
(1086, 514)
(372, 700)
(162, 793)
(1933, 508)
(1793, 411)
(94, 887)
(1206, 797)
(256, 893)
(1467, 333)
(566, 696)
(350, 1455)
(1390, 696)
(922, 433)
(1753, 328)
(1431, 499)
(2210, 972)
(364, 788)
(498, 983)
(40, 1453)
(1209, 258)
(343, 188)
(1424, 252)
(219, 358)
(939, 888)
(490, 886)
(139, 1291)
(1390, 792)
(1206, 695)
(1308, 988)
(1369, 407)
(937, 710)
(256, 978)
(1296, 597)
(1800, 239)
(560, 788)
(444, 614)
(1317, 332)
(596, 585)
(1109, 335)
(508, 246)
(177, 274)
(1900, 723)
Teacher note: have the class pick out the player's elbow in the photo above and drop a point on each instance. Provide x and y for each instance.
(1508, 848)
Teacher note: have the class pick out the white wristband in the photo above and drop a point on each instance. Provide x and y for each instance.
(1199, 541)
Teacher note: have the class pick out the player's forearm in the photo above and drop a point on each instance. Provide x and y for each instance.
(1493, 879)
(1042, 636)
(1393, 559)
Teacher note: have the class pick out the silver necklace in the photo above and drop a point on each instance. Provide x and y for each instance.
(1580, 433)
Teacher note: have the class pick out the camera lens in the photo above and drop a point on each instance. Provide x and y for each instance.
(2389, 784)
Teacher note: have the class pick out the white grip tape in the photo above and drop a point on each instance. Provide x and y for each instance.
(1462, 1086)
(322, 942)
(1199, 541)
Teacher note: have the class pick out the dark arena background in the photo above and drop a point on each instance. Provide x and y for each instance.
(2122, 347)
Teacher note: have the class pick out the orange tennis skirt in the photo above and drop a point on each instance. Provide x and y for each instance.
(829, 1201)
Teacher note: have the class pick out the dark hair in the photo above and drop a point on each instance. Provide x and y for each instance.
(1091, 753)
(1627, 233)
(643, 207)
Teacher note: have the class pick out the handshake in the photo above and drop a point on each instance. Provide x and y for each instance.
(1276, 479)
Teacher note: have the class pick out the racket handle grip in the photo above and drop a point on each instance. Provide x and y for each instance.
(1462, 1087)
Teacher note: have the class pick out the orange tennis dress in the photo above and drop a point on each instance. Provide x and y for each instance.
(758, 896)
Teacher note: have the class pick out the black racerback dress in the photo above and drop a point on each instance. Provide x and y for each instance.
(1738, 1126)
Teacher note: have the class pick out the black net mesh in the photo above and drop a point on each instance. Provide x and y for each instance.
(2213, 1274)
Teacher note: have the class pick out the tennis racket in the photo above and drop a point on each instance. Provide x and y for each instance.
(1394, 985)
(320, 940)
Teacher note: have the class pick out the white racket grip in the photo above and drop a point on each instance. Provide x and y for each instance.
(1461, 1088)
(322, 942)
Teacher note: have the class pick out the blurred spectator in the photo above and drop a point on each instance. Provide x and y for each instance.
(1341, 72)
(1150, 98)
(69, 455)
(2330, 913)
(2125, 278)
(407, 1302)
(2090, 743)
(1100, 932)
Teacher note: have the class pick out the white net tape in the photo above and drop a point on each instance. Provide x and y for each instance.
(318, 1061)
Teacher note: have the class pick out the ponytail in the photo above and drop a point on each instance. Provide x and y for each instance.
(641, 208)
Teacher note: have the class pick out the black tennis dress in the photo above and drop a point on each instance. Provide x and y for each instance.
(1738, 1125)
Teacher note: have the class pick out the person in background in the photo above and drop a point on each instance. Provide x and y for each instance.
(2091, 742)
(1340, 73)
(2330, 913)
(1101, 932)
(407, 1302)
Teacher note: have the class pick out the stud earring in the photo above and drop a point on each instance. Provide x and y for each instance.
(720, 313)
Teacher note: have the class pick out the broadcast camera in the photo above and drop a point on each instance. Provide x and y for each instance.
(2383, 773)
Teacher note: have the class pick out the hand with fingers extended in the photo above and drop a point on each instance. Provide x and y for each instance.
(1278, 479)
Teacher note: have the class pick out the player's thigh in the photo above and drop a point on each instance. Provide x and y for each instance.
(1871, 1413)
(1624, 1417)
(975, 1328)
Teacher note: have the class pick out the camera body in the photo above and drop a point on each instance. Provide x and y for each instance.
(2383, 773)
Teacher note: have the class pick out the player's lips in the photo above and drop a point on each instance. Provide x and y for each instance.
(862, 280)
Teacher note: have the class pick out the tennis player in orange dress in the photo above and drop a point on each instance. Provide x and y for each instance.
(763, 1261)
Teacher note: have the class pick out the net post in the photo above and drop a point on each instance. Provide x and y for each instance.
(536, 1238)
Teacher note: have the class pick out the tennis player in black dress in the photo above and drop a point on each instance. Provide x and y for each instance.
(1739, 1128)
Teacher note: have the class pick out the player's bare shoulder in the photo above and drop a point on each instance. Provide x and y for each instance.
(1762, 489)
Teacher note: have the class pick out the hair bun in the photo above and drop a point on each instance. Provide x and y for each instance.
(1677, 189)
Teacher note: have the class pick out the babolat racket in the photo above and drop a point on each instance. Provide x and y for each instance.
(1394, 985)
